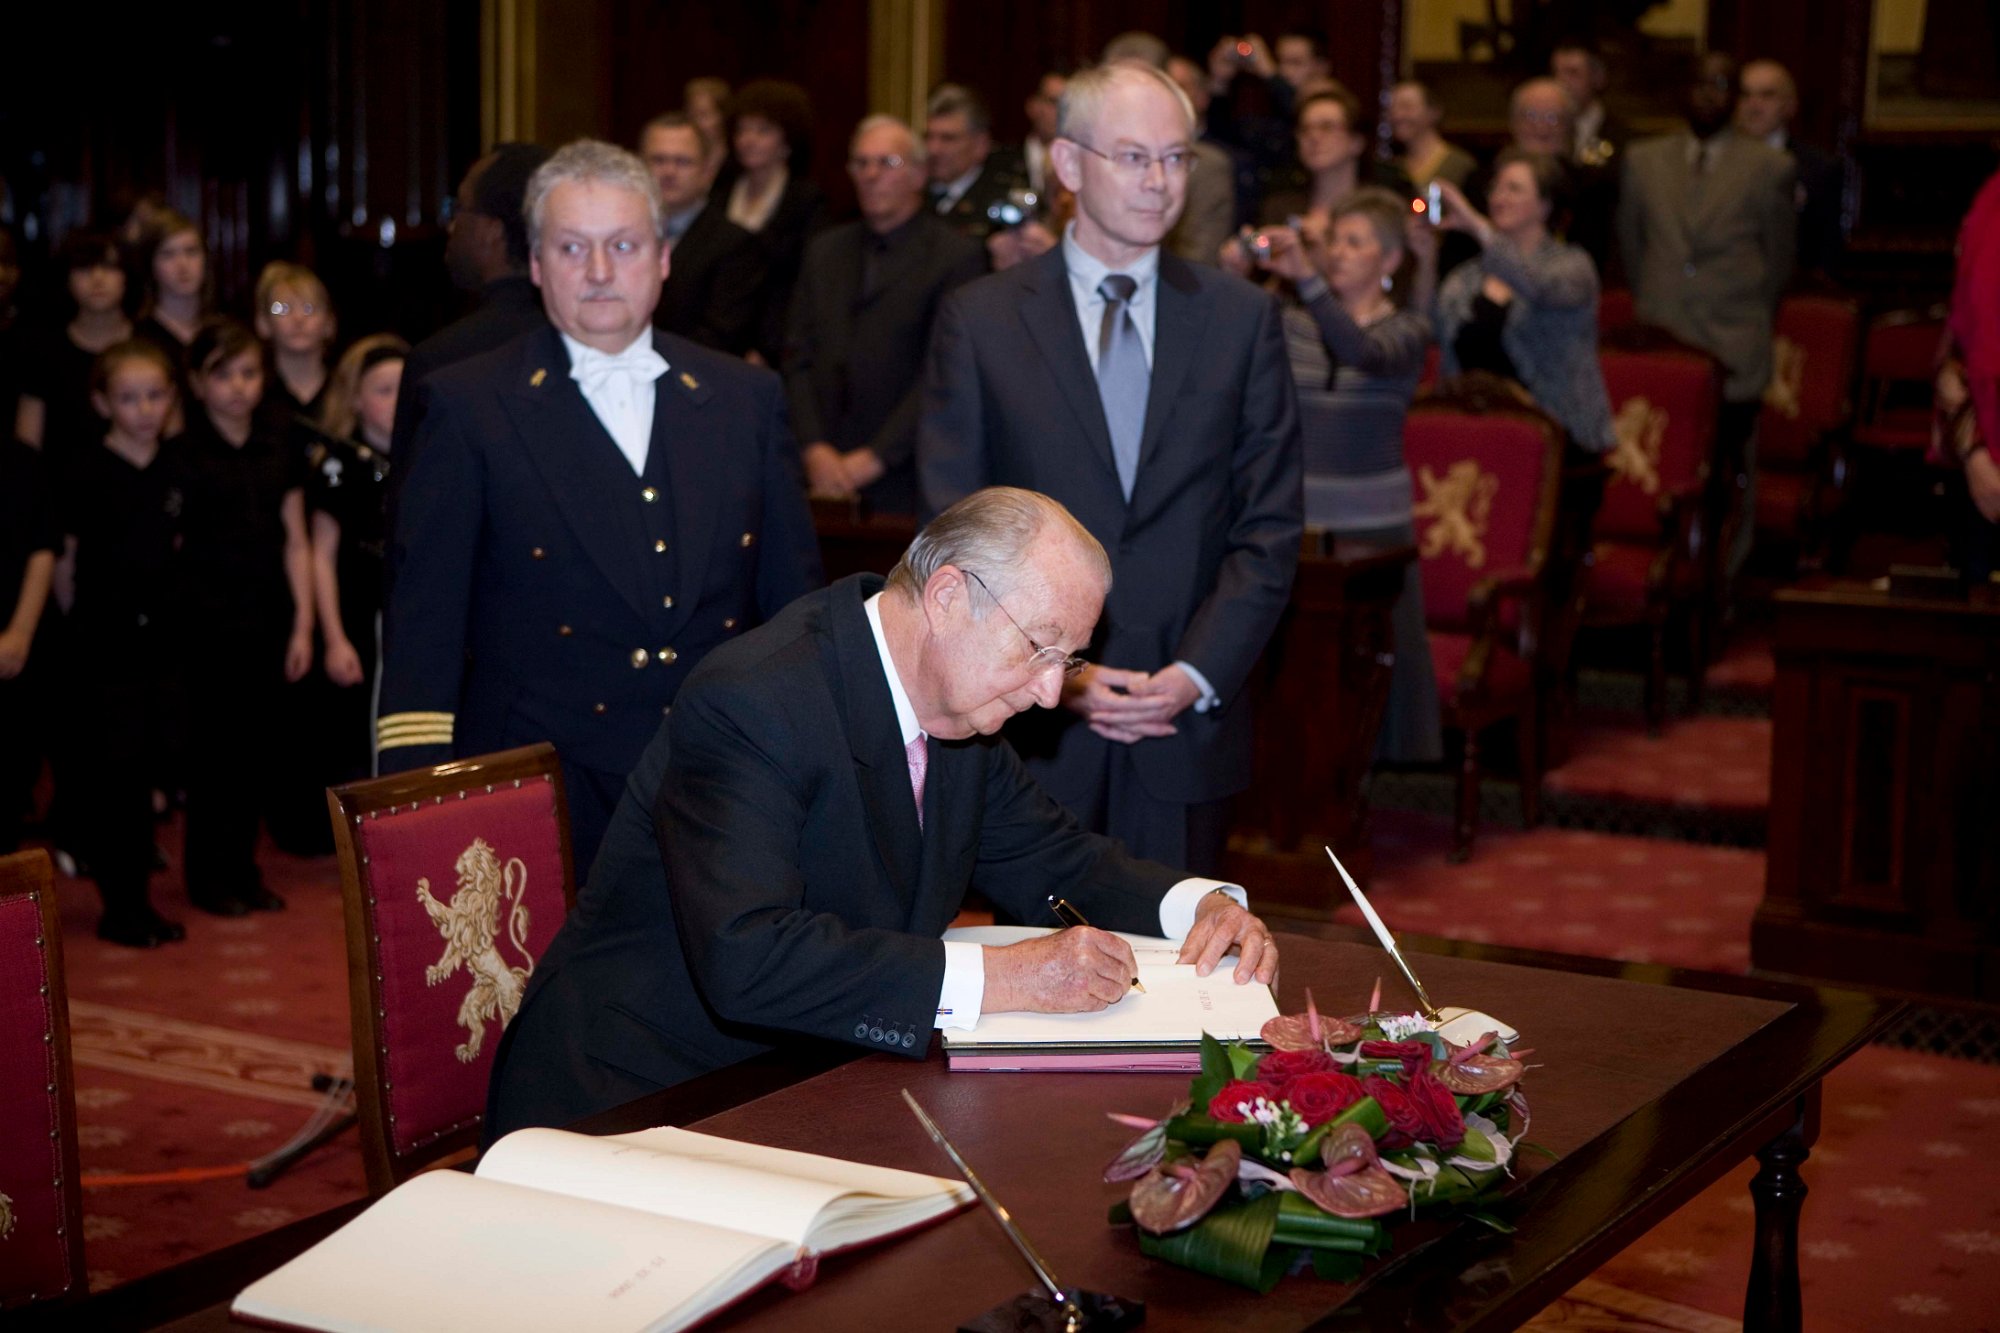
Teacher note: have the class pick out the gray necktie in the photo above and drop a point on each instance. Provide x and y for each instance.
(1123, 378)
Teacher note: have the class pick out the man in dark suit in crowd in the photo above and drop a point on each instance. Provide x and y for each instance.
(715, 293)
(861, 319)
(595, 505)
(1597, 135)
(967, 176)
(485, 251)
(1766, 102)
(1041, 107)
(811, 817)
(1153, 398)
(1708, 226)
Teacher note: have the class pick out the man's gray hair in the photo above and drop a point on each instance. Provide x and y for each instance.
(882, 120)
(953, 99)
(599, 163)
(1143, 47)
(1083, 98)
(992, 533)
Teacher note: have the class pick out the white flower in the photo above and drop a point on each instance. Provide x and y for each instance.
(1401, 1027)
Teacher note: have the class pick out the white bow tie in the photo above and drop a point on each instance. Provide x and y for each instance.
(637, 364)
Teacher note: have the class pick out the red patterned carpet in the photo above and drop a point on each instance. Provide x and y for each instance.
(1718, 764)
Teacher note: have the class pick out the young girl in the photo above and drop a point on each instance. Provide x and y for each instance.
(54, 413)
(171, 263)
(294, 315)
(246, 608)
(121, 501)
(347, 495)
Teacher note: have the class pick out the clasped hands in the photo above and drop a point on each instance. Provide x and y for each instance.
(1127, 706)
(1083, 969)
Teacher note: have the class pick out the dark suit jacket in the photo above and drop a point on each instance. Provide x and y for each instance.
(799, 216)
(508, 308)
(715, 286)
(854, 360)
(1818, 199)
(536, 594)
(1203, 555)
(996, 177)
(765, 876)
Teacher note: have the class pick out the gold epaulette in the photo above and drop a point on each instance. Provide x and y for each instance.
(401, 729)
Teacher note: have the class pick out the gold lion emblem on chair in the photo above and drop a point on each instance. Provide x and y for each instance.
(470, 924)
(1642, 432)
(1459, 505)
(1788, 376)
(6, 1217)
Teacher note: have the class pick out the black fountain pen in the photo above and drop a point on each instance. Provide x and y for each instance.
(1069, 916)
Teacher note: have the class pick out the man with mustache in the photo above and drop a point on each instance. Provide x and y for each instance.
(594, 506)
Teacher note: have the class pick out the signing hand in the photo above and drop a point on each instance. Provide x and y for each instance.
(1079, 970)
(1222, 924)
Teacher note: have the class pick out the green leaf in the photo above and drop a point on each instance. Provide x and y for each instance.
(1368, 1114)
(1487, 1219)
(1216, 1070)
(1303, 1222)
(1198, 1130)
(1477, 1146)
(1232, 1243)
(1242, 1061)
(1549, 1153)
(1336, 1266)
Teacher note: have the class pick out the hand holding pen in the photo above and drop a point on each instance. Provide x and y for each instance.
(1069, 916)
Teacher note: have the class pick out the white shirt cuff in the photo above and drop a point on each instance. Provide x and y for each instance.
(1209, 698)
(964, 986)
(1177, 908)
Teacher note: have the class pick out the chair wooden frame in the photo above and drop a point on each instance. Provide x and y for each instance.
(30, 874)
(1472, 709)
(349, 806)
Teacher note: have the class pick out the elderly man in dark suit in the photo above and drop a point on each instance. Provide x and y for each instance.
(810, 818)
(968, 175)
(1766, 102)
(715, 294)
(595, 506)
(861, 319)
(1153, 398)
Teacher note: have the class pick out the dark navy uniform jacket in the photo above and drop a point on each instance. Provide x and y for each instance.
(541, 590)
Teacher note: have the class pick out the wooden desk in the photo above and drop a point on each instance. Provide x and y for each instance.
(1655, 1083)
(1884, 857)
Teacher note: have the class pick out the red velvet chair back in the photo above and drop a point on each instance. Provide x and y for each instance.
(1812, 376)
(1898, 368)
(1664, 402)
(455, 880)
(1484, 469)
(41, 1201)
(1616, 310)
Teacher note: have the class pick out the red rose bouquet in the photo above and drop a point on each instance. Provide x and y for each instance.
(1307, 1149)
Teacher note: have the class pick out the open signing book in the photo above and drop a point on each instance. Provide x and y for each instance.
(651, 1231)
(1159, 1029)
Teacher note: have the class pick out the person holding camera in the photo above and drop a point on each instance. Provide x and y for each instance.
(1356, 358)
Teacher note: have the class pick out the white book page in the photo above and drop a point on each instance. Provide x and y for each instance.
(450, 1253)
(702, 1177)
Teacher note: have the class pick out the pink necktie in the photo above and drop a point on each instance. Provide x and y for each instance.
(919, 759)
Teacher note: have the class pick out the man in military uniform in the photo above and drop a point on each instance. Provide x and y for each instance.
(594, 506)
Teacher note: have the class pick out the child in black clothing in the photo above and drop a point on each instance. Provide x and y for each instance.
(121, 503)
(246, 612)
(29, 540)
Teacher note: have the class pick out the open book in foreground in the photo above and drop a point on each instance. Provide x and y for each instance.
(649, 1231)
(1159, 1030)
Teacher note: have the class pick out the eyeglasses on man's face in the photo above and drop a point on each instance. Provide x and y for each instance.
(860, 165)
(1043, 657)
(1137, 162)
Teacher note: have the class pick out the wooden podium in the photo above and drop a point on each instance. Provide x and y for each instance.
(1883, 867)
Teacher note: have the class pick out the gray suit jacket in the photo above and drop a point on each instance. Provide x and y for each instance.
(1708, 253)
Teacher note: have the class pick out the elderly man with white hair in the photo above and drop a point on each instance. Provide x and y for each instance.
(1152, 397)
(594, 506)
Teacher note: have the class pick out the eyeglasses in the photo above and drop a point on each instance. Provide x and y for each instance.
(1042, 658)
(886, 162)
(278, 309)
(1137, 162)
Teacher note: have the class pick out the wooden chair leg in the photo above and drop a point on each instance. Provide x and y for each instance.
(1698, 649)
(1529, 750)
(1468, 799)
(1656, 676)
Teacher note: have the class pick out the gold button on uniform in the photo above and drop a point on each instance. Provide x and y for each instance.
(667, 602)
(669, 656)
(639, 656)
(730, 623)
(564, 630)
(659, 548)
(749, 538)
(538, 553)
(649, 495)
(598, 709)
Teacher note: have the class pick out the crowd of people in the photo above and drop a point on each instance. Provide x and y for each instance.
(559, 505)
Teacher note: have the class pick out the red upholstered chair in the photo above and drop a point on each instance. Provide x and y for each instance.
(1648, 542)
(1897, 366)
(454, 881)
(1615, 310)
(1488, 470)
(41, 1199)
(1801, 459)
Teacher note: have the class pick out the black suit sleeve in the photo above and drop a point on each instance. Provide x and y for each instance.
(789, 564)
(734, 300)
(1267, 518)
(804, 341)
(896, 442)
(951, 437)
(730, 820)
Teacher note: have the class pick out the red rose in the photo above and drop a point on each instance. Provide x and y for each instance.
(1443, 1124)
(1318, 1098)
(1281, 1067)
(1406, 1126)
(1413, 1054)
(1236, 1100)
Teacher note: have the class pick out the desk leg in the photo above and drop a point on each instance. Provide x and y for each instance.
(1772, 1303)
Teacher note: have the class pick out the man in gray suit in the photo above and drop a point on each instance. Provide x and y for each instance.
(1708, 232)
(1153, 398)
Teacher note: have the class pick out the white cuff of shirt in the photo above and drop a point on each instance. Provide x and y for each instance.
(1209, 698)
(1177, 908)
(964, 986)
